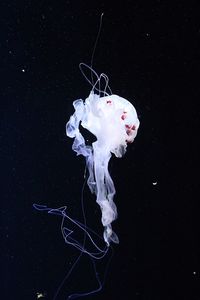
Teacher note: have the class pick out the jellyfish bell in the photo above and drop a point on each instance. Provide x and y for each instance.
(114, 122)
(112, 119)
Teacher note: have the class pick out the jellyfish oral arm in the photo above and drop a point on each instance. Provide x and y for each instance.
(105, 192)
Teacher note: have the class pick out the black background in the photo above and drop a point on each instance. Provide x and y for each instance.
(149, 50)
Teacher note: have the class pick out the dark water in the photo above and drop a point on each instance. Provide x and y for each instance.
(149, 50)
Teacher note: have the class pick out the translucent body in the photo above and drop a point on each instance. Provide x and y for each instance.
(114, 122)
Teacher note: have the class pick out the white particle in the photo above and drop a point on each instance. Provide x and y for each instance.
(194, 273)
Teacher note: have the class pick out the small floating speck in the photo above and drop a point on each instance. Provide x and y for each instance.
(41, 295)
(194, 273)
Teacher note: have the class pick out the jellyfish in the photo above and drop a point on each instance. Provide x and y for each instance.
(113, 121)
